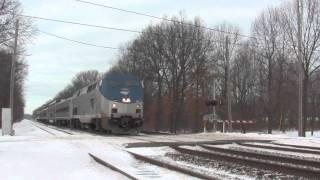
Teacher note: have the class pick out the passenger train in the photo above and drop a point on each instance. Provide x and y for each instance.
(113, 104)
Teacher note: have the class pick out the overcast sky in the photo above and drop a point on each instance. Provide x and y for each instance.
(53, 62)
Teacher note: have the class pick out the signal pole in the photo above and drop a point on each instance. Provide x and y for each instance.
(12, 73)
(301, 123)
(214, 122)
(228, 82)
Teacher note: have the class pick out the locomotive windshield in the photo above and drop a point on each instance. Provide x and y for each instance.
(127, 83)
(113, 86)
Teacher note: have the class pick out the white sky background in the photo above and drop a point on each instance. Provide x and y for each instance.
(53, 62)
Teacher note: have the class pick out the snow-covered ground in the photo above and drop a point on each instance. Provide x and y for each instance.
(39, 152)
(288, 137)
(34, 153)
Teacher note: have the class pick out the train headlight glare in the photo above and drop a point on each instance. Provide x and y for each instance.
(126, 100)
(114, 105)
(138, 105)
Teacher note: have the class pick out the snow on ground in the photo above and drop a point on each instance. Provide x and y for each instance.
(49, 160)
(288, 137)
(34, 153)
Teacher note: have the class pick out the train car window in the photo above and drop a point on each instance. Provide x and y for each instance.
(61, 110)
(75, 111)
(92, 103)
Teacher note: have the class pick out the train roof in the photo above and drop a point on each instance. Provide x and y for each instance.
(117, 76)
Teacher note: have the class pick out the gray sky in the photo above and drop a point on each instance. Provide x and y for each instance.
(53, 62)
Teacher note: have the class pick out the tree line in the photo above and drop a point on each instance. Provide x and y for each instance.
(179, 62)
(8, 17)
(180, 59)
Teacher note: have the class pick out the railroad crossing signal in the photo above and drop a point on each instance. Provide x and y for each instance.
(213, 103)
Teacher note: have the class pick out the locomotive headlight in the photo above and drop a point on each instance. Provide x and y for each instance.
(126, 100)
(114, 105)
(138, 105)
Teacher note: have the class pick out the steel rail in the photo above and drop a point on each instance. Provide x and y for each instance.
(281, 148)
(171, 166)
(44, 129)
(108, 165)
(297, 146)
(290, 160)
(253, 162)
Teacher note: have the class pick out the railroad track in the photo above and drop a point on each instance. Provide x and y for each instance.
(170, 166)
(146, 173)
(291, 166)
(112, 167)
(61, 130)
(268, 157)
(281, 148)
(155, 133)
(150, 143)
(297, 146)
(58, 129)
(43, 129)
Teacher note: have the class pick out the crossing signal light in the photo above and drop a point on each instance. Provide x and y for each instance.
(211, 103)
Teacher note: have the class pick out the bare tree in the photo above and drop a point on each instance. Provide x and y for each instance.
(80, 80)
(244, 83)
(266, 31)
(219, 37)
(310, 40)
(9, 10)
(170, 56)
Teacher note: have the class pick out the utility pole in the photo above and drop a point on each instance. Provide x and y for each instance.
(214, 122)
(228, 83)
(13, 69)
(301, 123)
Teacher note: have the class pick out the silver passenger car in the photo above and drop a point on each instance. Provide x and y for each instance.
(114, 104)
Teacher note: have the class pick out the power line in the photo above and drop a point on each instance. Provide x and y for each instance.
(79, 42)
(101, 27)
(111, 28)
(161, 18)
(80, 24)
(174, 21)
